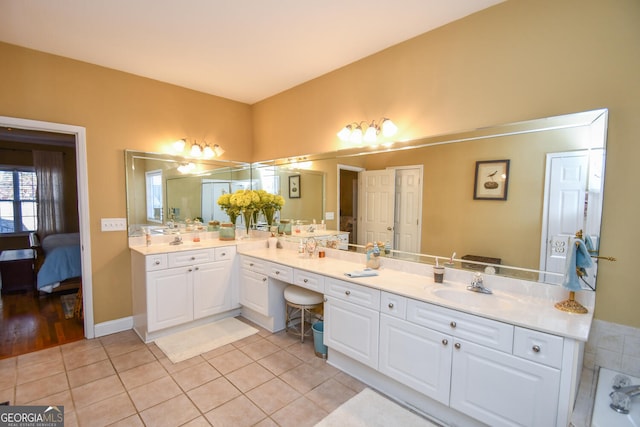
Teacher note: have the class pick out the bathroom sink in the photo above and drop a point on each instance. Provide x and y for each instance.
(473, 299)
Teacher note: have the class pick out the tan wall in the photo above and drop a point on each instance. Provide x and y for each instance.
(119, 111)
(516, 61)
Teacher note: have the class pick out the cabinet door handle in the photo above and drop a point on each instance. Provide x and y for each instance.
(445, 341)
(347, 292)
(193, 258)
(326, 299)
(250, 264)
(536, 348)
(305, 280)
(390, 305)
(197, 268)
(157, 262)
(277, 272)
(264, 279)
(453, 324)
(190, 270)
(457, 346)
(223, 254)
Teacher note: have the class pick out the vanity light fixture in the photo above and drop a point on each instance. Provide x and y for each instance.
(196, 149)
(354, 133)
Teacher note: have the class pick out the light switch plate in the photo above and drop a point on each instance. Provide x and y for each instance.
(114, 224)
(328, 216)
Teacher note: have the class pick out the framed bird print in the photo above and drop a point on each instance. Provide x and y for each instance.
(492, 180)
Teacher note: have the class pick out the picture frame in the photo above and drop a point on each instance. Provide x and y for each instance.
(295, 192)
(491, 180)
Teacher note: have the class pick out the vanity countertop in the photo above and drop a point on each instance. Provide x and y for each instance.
(524, 307)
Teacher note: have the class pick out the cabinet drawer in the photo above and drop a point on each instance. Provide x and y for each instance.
(538, 347)
(476, 329)
(254, 264)
(393, 305)
(357, 294)
(156, 262)
(280, 272)
(179, 259)
(224, 253)
(308, 280)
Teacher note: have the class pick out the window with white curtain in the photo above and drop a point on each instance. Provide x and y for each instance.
(49, 168)
(18, 205)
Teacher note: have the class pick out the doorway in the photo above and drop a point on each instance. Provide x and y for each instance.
(384, 205)
(78, 134)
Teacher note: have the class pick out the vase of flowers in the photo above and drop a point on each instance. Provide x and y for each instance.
(269, 204)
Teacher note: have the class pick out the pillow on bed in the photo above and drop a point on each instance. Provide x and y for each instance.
(64, 239)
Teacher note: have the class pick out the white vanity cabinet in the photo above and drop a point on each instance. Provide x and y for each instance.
(352, 320)
(173, 289)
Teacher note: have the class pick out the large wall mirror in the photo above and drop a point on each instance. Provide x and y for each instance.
(424, 198)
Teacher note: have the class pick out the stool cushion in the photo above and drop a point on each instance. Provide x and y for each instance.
(302, 296)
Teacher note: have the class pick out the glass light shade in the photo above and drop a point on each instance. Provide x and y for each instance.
(208, 152)
(345, 133)
(356, 136)
(196, 151)
(218, 150)
(178, 146)
(389, 128)
(371, 134)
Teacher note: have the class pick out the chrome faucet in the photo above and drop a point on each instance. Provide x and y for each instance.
(177, 240)
(477, 285)
(621, 396)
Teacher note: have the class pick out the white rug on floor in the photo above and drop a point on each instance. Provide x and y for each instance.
(201, 339)
(370, 409)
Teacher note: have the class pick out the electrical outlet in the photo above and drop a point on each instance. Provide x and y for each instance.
(328, 216)
(114, 224)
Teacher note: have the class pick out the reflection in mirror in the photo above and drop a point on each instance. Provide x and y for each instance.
(555, 188)
(163, 190)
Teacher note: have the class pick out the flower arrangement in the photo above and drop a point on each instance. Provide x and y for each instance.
(248, 202)
(269, 204)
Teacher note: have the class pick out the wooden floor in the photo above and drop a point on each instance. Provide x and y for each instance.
(31, 322)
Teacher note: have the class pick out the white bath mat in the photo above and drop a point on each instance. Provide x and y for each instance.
(370, 409)
(201, 339)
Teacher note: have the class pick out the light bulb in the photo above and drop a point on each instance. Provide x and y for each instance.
(389, 128)
(196, 151)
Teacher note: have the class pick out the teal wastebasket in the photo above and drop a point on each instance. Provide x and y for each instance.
(318, 340)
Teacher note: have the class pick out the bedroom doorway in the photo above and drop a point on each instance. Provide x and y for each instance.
(43, 309)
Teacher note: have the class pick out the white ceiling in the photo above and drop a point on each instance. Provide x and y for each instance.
(245, 50)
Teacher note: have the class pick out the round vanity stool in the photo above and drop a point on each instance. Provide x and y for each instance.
(300, 306)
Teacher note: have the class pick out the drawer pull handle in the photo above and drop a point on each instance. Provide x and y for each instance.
(197, 268)
(250, 264)
(277, 272)
(445, 341)
(305, 280)
(536, 348)
(157, 262)
(223, 254)
(190, 270)
(457, 346)
(453, 324)
(264, 279)
(193, 258)
(347, 292)
(390, 305)
(326, 299)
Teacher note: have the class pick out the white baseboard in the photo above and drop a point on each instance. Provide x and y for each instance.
(113, 326)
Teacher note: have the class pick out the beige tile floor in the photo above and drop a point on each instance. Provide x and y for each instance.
(263, 380)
